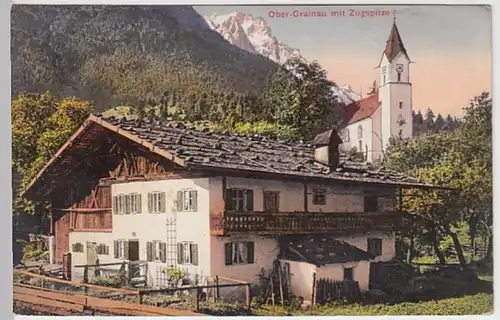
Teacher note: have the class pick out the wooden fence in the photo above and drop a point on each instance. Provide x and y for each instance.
(53, 301)
(131, 271)
(325, 290)
(202, 290)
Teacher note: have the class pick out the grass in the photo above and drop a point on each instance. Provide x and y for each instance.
(468, 305)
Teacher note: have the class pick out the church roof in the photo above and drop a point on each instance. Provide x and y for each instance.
(394, 44)
(361, 109)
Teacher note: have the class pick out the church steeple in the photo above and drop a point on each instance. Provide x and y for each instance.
(394, 44)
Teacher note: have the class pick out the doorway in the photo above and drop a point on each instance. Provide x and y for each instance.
(133, 256)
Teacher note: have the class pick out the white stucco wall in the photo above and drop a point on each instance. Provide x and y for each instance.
(291, 197)
(301, 278)
(361, 241)
(148, 227)
(361, 272)
(265, 252)
(391, 93)
(366, 138)
(302, 275)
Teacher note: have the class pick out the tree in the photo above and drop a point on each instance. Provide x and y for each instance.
(373, 88)
(418, 121)
(429, 121)
(302, 97)
(459, 159)
(40, 125)
(438, 124)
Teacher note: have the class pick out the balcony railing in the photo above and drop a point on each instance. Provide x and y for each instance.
(306, 223)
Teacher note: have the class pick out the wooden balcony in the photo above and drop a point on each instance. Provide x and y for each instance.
(308, 223)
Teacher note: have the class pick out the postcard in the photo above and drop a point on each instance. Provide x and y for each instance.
(182, 160)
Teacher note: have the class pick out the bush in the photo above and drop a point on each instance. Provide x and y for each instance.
(114, 281)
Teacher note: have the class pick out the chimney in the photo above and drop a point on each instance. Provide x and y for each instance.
(326, 148)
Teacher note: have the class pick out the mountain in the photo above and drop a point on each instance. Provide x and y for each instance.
(251, 34)
(117, 55)
(254, 35)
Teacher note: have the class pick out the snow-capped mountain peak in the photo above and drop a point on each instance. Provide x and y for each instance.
(253, 34)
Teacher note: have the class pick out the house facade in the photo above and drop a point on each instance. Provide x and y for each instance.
(215, 204)
(370, 122)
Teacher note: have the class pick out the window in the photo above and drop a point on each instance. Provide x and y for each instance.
(319, 197)
(360, 132)
(348, 274)
(156, 251)
(371, 204)
(399, 76)
(126, 204)
(119, 204)
(239, 200)
(360, 146)
(121, 249)
(135, 203)
(77, 247)
(187, 200)
(347, 135)
(384, 79)
(156, 202)
(102, 249)
(187, 253)
(400, 104)
(374, 246)
(240, 252)
(271, 201)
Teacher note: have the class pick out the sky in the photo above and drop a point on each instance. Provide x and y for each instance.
(450, 47)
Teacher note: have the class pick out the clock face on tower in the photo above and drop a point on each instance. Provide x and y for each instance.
(399, 68)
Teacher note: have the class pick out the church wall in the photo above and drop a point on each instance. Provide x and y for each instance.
(366, 137)
(376, 136)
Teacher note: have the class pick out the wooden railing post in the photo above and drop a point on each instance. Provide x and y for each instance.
(248, 298)
(139, 297)
(313, 298)
(86, 274)
(198, 294)
(216, 291)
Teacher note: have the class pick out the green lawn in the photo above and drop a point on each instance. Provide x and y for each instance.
(468, 305)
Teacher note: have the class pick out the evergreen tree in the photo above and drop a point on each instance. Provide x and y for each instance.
(373, 88)
(429, 121)
(438, 124)
(418, 121)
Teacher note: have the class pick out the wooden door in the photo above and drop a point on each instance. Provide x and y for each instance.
(133, 255)
(91, 253)
(62, 237)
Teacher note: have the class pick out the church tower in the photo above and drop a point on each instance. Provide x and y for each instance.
(395, 90)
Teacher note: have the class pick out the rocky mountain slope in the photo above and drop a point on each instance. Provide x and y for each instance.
(254, 35)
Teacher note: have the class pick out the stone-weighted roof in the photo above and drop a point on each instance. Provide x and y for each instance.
(208, 149)
(320, 250)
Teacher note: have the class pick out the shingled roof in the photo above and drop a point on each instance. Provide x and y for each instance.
(394, 44)
(320, 250)
(361, 109)
(205, 149)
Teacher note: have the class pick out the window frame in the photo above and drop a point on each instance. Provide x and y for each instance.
(188, 200)
(239, 252)
(159, 204)
(135, 203)
(400, 104)
(120, 203)
(376, 243)
(189, 254)
(319, 193)
(351, 272)
(347, 135)
(360, 132)
(399, 76)
(275, 200)
(243, 200)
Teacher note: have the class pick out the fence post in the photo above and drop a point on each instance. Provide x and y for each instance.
(85, 274)
(139, 297)
(313, 298)
(198, 291)
(216, 291)
(248, 299)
